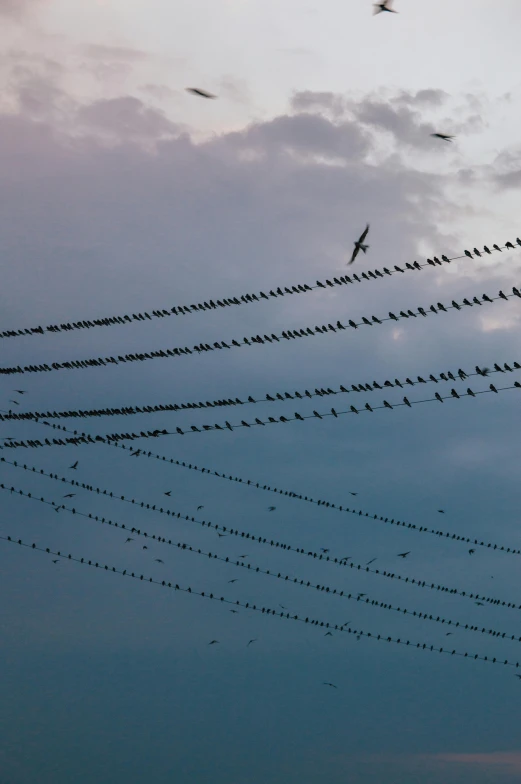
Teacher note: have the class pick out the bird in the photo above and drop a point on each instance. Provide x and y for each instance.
(235, 612)
(136, 453)
(159, 560)
(441, 511)
(444, 136)
(371, 561)
(448, 634)
(221, 536)
(69, 495)
(214, 642)
(328, 634)
(284, 608)
(20, 391)
(168, 493)
(359, 245)
(352, 493)
(471, 552)
(325, 549)
(383, 6)
(56, 561)
(129, 539)
(480, 604)
(200, 507)
(14, 401)
(271, 508)
(234, 580)
(75, 466)
(361, 594)
(202, 93)
(330, 684)
(404, 555)
(243, 556)
(250, 642)
(145, 547)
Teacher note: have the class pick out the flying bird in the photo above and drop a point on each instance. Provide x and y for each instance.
(480, 604)
(221, 536)
(404, 555)
(384, 6)
(271, 508)
(330, 684)
(56, 561)
(75, 466)
(352, 493)
(69, 495)
(159, 560)
(15, 402)
(129, 539)
(234, 611)
(20, 391)
(145, 547)
(234, 580)
(168, 493)
(359, 245)
(371, 561)
(328, 634)
(471, 552)
(200, 507)
(202, 93)
(325, 549)
(250, 642)
(214, 642)
(444, 136)
(441, 511)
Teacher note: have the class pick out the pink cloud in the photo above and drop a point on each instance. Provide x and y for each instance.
(502, 761)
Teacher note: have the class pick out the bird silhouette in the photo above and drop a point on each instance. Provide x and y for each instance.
(15, 402)
(352, 493)
(404, 555)
(361, 594)
(200, 507)
(480, 604)
(235, 612)
(158, 560)
(168, 493)
(284, 608)
(145, 547)
(471, 552)
(56, 561)
(243, 556)
(383, 6)
(75, 466)
(129, 539)
(328, 634)
(448, 634)
(221, 536)
(250, 642)
(444, 136)
(69, 495)
(330, 684)
(214, 642)
(20, 391)
(359, 244)
(234, 580)
(325, 549)
(441, 511)
(371, 561)
(136, 453)
(271, 508)
(202, 93)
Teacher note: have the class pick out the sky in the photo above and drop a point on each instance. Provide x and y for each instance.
(122, 193)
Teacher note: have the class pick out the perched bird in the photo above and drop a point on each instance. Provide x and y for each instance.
(330, 684)
(168, 493)
(444, 136)
(75, 466)
(271, 508)
(69, 495)
(214, 642)
(471, 552)
(383, 6)
(202, 93)
(404, 555)
(129, 539)
(250, 642)
(359, 244)
(136, 453)
(200, 507)
(159, 560)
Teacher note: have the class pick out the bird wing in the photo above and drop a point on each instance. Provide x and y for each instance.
(356, 251)
(364, 234)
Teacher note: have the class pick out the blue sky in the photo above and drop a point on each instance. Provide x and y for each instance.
(121, 193)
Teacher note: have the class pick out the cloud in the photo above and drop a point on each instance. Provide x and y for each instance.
(17, 8)
(499, 761)
(124, 53)
(126, 118)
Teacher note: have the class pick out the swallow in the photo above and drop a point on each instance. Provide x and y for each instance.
(56, 561)
(480, 604)
(214, 642)
(235, 612)
(444, 136)
(325, 549)
(284, 608)
(359, 244)
(271, 508)
(350, 493)
(330, 684)
(158, 560)
(202, 93)
(361, 594)
(145, 547)
(24, 391)
(383, 6)
(234, 580)
(75, 466)
(243, 556)
(69, 495)
(15, 402)
(200, 507)
(129, 539)
(448, 634)
(404, 555)
(250, 642)
(471, 552)
(441, 511)
(328, 634)
(168, 493)
(221, 535)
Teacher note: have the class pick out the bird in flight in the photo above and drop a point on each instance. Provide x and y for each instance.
(359, 245)
(328, 634)
(69, 495)
(404, 555)
(325, 549)
(234, 611)
(384, 6)
(250, 642)
(284, 608)
(145, 547)
(202, 93)
(20, 391)
(444, 136)
(353, 493)
(159, 560)
(75, 466)
(271, 508)
(441, 511)
(15, 402)
(129, 539)
(221, 535)
(471, 552)
(361, 594)
(214, 642)
(518, 676)
(234, 580)
(243, 556)
(480, 604)
(448, 634)
(330, 684)
(56, 561)
(200, 507)
(371, 561)
(168, 493)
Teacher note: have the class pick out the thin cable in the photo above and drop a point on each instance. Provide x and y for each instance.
(328, 590)
(304, 332)
(459, 375)
(342, 562)
(263, 610)
(244, 299)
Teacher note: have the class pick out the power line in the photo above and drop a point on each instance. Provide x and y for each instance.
(110, 437)
(263, 610)
(328, 590)
(303, 332)
(342, 562)
(459, 375)
(243, 299)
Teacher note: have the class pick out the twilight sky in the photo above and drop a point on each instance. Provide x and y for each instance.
(122, 193)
